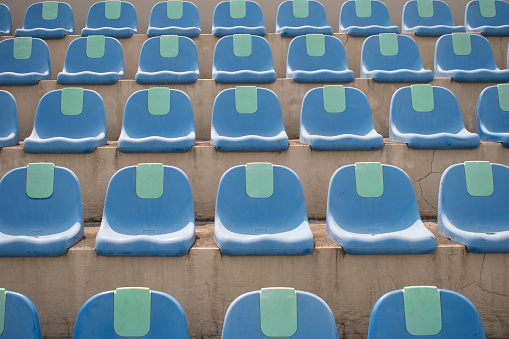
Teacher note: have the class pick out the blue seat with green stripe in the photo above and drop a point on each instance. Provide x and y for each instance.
(493, 114)
(365, 18)
(48, 20)
(113, 18)
(238, 17)
(428, 18)
(174, 18)
(5, 21)
(300, 17)
(18, 316)
(488, 17)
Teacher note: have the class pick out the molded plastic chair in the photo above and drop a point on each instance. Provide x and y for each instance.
(471, 60)
(317, 58)
(19, 316)
(48, 20)
(337, 118)
(489, 19)
(174, 18)
(431, 18)
(9, 128)
(493, 114)
(148, 211)
(260, 210)
(129, 312)
(5, 21)
(393, 58)
(168, 59)
(93, 61)
(372, 209)
(279, 312)
(71, 120)
(25, 61)
(157, 120)
(365, 18)
(243, 59)
(248, 119)
(113, 18)
(41, 213)
(244, 17)
(472, 206)
(424, 312)
(428, 117)
(300, 17)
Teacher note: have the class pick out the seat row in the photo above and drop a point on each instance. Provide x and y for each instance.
(269, 312)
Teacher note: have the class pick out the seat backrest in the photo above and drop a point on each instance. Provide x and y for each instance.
(426, 13)
(316, 52)
(237, 13)
(19, 318)
(390, 52)
(112, 13)
(302, 13)
(5, 21)
(486, 13)
(49, 14)
(163, 16)
(94, 53)
(364, 13)
(464, 51)
(8, 116)
(243, 52)
(24, 55)
(169, 52)
(493, 111)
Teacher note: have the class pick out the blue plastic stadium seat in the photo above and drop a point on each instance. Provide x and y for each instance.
(372, 209)
(472, 206)
(113, 18)
(428, 117)
(238, 17)
(5, 21)
(132, 312)
(279, 312)
(471, 60)
(260, 210)
(424, 312)
(243, 59)
(157, 121)
(148, 211)
(393, 58)
(9, 128)
(317, 58)
(48, 20)
(365, 18)
(489, 19)
(19, 316)
(174, 18)
(90, 61)
(300, 17)
(428, 18)
(337, 118)
(493, 114)
(41, 213)
(248, 119)
(71, 120)
(25, 61)
(168, 59)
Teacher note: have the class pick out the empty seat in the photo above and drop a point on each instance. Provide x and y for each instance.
(424, 312)
(94, 60)
(113, 18)
(19, 317)
(279, 312)
(300, 17)
(69, 120)
(428, 117)
(131, 312)
(168, 59)
(174, 17)
(9, 128)
(365, 18)
(488, 17)
(472, 206)
(5, 21)
(372, 209)
(48, 20)
(248, 119)
(25, 61)
(41, 213)
(260, 210)
(428, 18)
(390, 57)
(467, 58)
(493, 114)
(238, 17)
(317, 58)
(157, 120)
(243, 58)
(337, 118)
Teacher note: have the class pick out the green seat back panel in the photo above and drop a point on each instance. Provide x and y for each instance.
(259, 180)
(488, 9)
(131, 311)
(112, 9)
(71, 102)
(461, 43)
(242, 45)
(369, 179)
(3, 295)
(159, 100)
(423, 312)
(503, 96)
(175, 9)
(246, 99)
(237, 9)
(169, 46)
(334, 98)
(425, 8)
(40, 178)
(479, 178)
(315, 45)
(422, 98)
(50, 10)
(95, 46)
(22, 49)
(300, 9)
(278, 312)
(363, 8)
(149, 181)
(388, 44)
